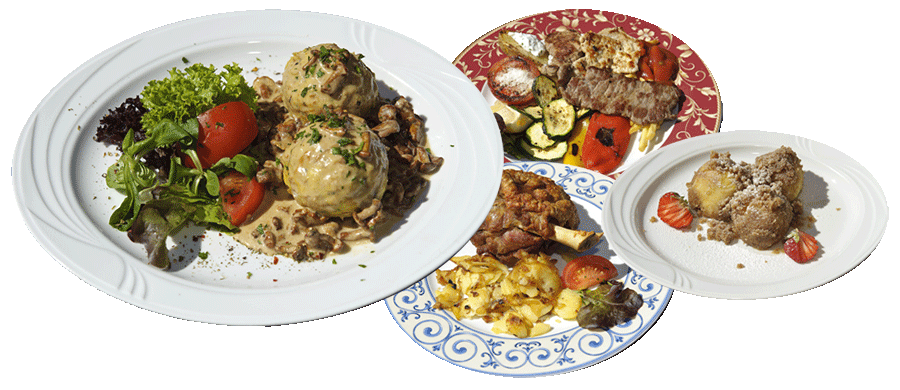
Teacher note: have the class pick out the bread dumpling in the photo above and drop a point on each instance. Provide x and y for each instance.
(327, 78)
(336, 168)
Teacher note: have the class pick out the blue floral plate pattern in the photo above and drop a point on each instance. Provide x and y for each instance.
(472, 345)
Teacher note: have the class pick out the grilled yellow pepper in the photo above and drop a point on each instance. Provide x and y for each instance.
(576, 142)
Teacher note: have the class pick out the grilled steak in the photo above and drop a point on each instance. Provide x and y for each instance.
(523, 215)
(564, 47)
(644, 102)
(585, 78)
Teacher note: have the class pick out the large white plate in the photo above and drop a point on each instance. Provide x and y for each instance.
(471, 344)
(848, 205)
(58, 168)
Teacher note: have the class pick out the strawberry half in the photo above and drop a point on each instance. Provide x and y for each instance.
(800, 246)
(674, 210)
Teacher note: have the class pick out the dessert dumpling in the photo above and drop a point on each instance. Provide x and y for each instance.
(781, 166)
(760, 216)
(714, 183)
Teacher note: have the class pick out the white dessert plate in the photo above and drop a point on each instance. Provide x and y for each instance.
(58, 175)
(848, 206)
(567, 347)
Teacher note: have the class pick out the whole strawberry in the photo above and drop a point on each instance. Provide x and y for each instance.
(674, 210)
(800, 246)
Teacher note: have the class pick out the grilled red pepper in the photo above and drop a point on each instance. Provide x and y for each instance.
(606, 142)
(658, 64)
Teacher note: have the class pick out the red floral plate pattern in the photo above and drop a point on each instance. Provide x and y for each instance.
(701, 110)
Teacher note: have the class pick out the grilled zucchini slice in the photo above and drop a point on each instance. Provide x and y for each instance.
(544, 90)
(555, 151)
(535, 112)
(536, 136)
(559, 118)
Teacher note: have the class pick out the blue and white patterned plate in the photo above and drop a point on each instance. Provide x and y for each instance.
(471, 344)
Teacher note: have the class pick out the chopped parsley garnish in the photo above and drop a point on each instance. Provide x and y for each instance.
(330, 119)
(314, 136)
(349, 155)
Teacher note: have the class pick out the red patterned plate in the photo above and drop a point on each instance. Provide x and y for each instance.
(700, 112)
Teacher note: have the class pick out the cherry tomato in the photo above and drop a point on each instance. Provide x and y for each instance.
(241, 196)
(605, 142)
(225, 130)
(587, 271)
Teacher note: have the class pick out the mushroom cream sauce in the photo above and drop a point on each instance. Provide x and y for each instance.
(280, 205)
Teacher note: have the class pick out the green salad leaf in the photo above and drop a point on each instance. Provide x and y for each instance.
(189, 92)
(154, 207)
(132, 177)
(608, 305)
(157, 205)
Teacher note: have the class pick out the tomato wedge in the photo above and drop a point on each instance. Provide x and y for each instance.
(241, 196)
(587, 271)
(225, 130)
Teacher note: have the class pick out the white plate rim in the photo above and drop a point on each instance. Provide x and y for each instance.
(630, 200)
(52, 213)
(465, 344)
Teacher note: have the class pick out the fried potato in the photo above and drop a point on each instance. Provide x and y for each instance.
(469, 287)
(567, 304)
(533, 277)
(516, 300)
(515, 324)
